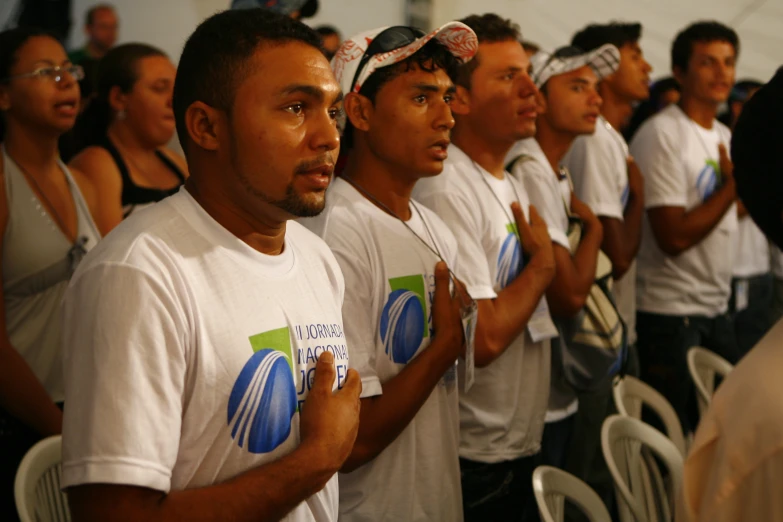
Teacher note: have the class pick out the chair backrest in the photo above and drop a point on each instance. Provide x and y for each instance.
(37, 486)
(703, 365)
(628, 445)
(630, 394)
(553, 487)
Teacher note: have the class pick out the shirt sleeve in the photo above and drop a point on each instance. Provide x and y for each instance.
(124, 362)
(656, 152)
(709, 496)
(595, 180)
(358, 323)
(461, 217)
(546, 197)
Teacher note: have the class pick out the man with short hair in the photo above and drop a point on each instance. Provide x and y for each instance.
(735, 466)
(404, 329)
(685, 260)
(204, 339)
(100, 26)
(570, 107)
(608, 181)
(330, 39)
(507, 266)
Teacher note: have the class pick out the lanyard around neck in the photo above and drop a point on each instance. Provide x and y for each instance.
(432, 248)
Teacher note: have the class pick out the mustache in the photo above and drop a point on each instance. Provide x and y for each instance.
(321, 161)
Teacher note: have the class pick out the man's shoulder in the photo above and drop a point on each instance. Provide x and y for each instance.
(454, 180)
(665, 121)
(340, 218)
(663, 129)
(148, 240)
(307, 240)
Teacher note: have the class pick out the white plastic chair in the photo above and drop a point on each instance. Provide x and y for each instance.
(628, 445)
(630, 394)
(37, 485)
(703, 365)
(553, 486)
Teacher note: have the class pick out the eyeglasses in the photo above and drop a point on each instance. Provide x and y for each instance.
(387, 40)
(55, 73)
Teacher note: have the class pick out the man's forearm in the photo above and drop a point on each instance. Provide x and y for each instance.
(266, 493)
(385, 416)
(688, 228)
(632, 228)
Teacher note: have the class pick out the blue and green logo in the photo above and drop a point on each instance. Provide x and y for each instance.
(707, 181)
(404, 318)
(263, 400)
(509, 258)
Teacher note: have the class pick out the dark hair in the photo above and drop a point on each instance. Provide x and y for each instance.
(758, 164)
(10, 42)
(214, 60)
(309, 9)
(118, 68)
(651, 105)
(489, 28)
(742, 89)
(432, 56)
(530, 47)
(89, 19)
(616, 33)
(739, 93)
(327, 30)
(682, 48)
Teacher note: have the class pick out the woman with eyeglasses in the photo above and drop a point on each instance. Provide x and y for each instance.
(127, 127)
(46, 227)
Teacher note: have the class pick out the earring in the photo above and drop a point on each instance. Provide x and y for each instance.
(121, 115)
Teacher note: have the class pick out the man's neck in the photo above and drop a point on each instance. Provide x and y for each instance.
(553, 143)
(699, 111)
(381, 183)
(491, 156)
(95, 51)
(265, 234)
(37, 155)
(615, 109)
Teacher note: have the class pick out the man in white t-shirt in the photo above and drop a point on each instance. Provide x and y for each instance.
(734, 469)
(405, 331)
(608, 181)
(605, 176)
(203, 340)
(685, 260)
(502, 414)
(570, 107)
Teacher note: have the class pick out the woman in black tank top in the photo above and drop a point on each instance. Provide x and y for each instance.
(128, 126)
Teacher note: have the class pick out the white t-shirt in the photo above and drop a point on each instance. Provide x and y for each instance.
(188, 354)
(751, 250)
(598, 166)
(502, 415)
(390, 276)
(679, 160)
(548, 193)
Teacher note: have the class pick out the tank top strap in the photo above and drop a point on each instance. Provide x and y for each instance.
(171, 165)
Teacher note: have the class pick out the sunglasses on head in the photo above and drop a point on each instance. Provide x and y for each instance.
(387, 40)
